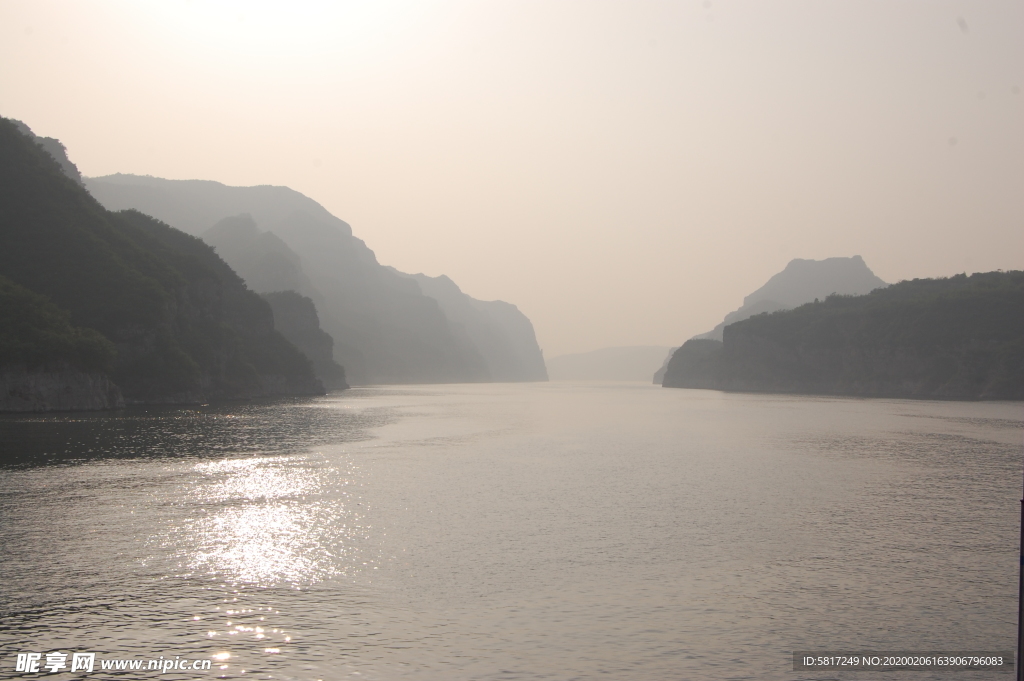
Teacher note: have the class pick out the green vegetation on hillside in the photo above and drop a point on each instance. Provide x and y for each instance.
(184, 325)
(35, 333)
(955, 338)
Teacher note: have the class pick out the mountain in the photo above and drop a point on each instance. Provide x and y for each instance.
(262, 259)
(385, 329)
(275, 271)
(804, 281)
(659, 375)
(501, 333)
(47, 363)
(296, 319)
(53, 147)
(182, 324)
(630, 363)
(955, 338)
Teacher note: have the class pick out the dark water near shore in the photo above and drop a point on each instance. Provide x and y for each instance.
(544, 531)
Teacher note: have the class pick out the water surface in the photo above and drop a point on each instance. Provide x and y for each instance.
(536, 531)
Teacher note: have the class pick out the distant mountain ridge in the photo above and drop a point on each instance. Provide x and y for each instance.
(503, 335)
(624, 363)
(803, 281)
(386, 327)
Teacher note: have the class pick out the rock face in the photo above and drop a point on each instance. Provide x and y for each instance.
(698, 363)
(955, 338)
(180, 324)
(262, 259)
(385, 330)
(659, 375)
(60, 389)
(275, 271)
(296, 319)
(502, 334)
(804, 281)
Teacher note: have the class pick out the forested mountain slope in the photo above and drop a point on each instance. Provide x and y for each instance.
(183, 325)
(956, 338)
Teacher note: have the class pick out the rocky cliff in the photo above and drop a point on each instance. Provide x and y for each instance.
(262, 259)
(63, 388)
(296, 319)
(659, 375)
(502, 334)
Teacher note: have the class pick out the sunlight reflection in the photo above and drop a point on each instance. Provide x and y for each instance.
(268, 521)
(257, 478)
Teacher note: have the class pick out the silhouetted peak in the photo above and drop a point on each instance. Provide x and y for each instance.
(439, 282)
(804, 280)
(241, 225)
(54, 148)
(194, 205)
(24, 129)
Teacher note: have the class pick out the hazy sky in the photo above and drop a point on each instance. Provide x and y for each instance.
(624, 172)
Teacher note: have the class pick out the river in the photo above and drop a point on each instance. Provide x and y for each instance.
(512, 531)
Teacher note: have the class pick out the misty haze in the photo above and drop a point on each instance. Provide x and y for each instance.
(478, 341)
